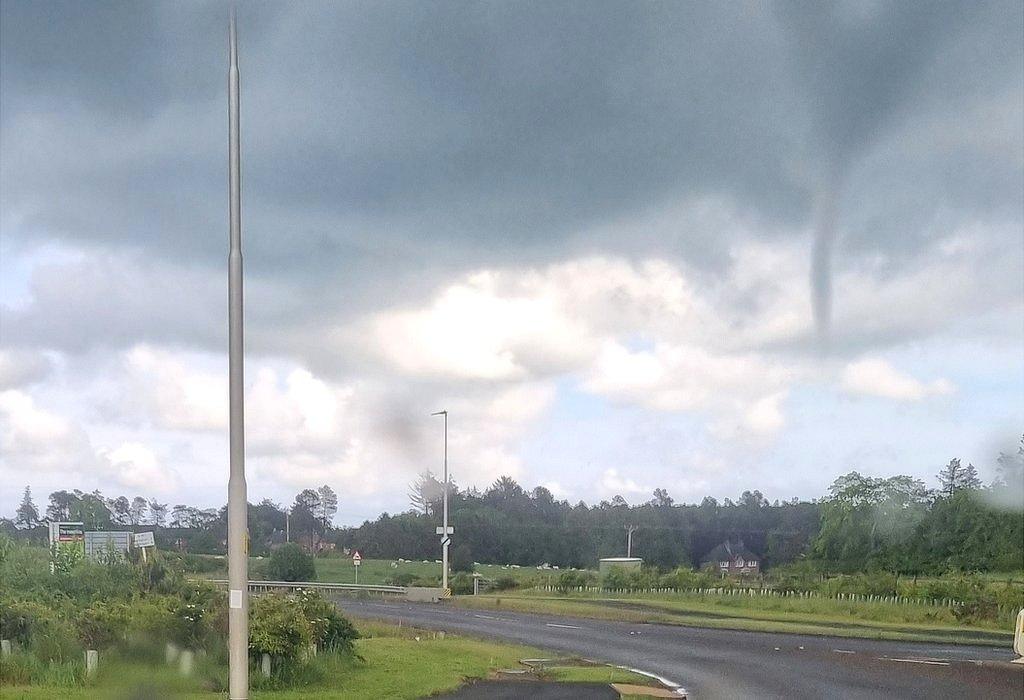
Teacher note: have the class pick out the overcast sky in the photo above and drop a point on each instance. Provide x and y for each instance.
(706, 247)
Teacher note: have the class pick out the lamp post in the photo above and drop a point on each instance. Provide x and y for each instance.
(444, 530)
(238, 562)
(630, 529)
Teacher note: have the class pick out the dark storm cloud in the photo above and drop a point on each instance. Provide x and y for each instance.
(386, 144)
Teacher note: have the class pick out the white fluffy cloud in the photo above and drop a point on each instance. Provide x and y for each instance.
(876, 377)
(613, 484)
(40, 443)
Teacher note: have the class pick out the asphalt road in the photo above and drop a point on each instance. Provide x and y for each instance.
(712, 663)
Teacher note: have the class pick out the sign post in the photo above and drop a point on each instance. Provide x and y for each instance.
(144, 540)
(357, 559)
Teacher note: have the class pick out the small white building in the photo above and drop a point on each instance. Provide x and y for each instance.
(627, 563)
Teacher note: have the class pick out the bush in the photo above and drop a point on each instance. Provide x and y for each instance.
(277, 626)
(634, 580)
(290, 563)
(194, 563)
(461, 558)
(102, 624)
(402, 579)
(461, 583)
(569, 580)
(331, 630)
(683, 578)
(505, 583)
(39, 628)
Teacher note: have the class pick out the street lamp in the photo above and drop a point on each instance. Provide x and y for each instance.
(444, 530)
(238, 561)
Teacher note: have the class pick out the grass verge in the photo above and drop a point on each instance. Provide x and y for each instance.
(710, 614)
(389, 662)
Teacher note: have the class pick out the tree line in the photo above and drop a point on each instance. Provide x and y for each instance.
(894, 524)
(200, 530)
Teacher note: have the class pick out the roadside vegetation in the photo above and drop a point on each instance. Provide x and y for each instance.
(143, 618)
(55, 605)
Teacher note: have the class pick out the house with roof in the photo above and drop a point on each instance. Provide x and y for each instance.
(732, 558)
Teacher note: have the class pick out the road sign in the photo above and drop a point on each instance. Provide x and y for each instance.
(445, 541)
(440, 530)
(66, 532)
(357, 559)
(144, 539)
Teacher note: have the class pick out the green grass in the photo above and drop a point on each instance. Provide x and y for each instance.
(827, 617)
(390, 662)
(594, 674)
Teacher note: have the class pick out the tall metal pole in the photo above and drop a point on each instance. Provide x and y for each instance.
(630, 529)
(238, 559)
(444, 530)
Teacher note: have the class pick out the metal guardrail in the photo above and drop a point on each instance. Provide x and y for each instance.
(267, 586)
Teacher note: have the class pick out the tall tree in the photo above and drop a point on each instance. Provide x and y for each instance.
(304, 520)
(661, 499)
(61, 505)
(179, 516)
(120, 510)
(424, 492)
(1010, 468)
(327, 507)
(91, 509)
(955, 477)
(137, 510)
(27, 514)
(157, 513)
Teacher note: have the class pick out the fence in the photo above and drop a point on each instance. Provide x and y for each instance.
(770, 593)
(258, 587)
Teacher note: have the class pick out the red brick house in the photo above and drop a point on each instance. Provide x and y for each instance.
(733, 559)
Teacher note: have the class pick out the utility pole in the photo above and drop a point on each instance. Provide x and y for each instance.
(444, 530)
(238, 555)
(630, 529)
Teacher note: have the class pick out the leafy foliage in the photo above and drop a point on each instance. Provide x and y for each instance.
(290, 563)
(278, 626)
(330, 629)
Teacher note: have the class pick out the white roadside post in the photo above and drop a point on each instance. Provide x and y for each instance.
(357, 559)
(92, 662)
(1018, 638)
(445, 531)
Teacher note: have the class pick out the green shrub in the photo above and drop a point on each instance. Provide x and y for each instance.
(330, 629)
(197, 610)
(569, 580)
(461, 583)
(152, 618)
(290, 563)
(193, 563)
(64, 556)
(38, 628)
(505, 583)
(402, 579)
(277, 626)
(461, 558)
(102, 624)
(683, 578)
